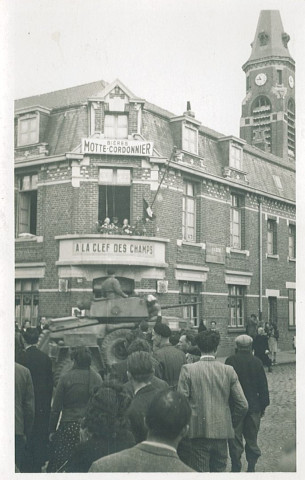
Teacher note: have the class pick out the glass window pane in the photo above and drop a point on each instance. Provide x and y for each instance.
(26, 182)
(18, 285)
(123, 177)
(26, 286)
(34, 181)
(122, 121)
(291, 311)
(106, 176)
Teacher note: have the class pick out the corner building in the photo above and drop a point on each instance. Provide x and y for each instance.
(223, 230)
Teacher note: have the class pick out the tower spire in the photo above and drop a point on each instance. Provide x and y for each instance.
(270, 39)
(268, 110)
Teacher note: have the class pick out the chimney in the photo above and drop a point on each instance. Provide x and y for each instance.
(189, 112)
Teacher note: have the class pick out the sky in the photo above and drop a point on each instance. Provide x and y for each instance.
(165, 51)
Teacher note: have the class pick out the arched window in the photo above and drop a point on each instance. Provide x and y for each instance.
(291, 127)
(261, 112)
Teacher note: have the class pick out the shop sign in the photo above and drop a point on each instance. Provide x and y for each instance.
(215, 253)
(113, 247)
(98, 146)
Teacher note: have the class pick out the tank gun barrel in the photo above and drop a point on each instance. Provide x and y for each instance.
(165, 307)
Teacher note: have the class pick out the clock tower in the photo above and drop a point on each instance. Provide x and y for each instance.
(268, 110)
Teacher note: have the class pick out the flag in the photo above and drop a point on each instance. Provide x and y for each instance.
(148, 213)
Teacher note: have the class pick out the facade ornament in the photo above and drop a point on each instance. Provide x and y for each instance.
(285, 39)
(263, 38)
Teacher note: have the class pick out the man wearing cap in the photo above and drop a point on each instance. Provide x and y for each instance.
(252, 377)
(169, 357)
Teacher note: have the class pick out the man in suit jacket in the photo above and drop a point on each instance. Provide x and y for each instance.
(40, 367)
(252, 377)
(167, 420)
(24, 411)
(209, 385)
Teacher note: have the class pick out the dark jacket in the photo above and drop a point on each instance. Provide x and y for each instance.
(84, 454)
(252, 377)
(72, 394)
(260, 345)
(40, 366)
(155, 381)
(137, 411)
(171, 360)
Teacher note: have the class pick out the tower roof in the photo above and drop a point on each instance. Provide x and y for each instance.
(270, 38)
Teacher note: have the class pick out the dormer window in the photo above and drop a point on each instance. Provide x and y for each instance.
(236, 157)
(190, 139)
(116, 126)
(28, 130)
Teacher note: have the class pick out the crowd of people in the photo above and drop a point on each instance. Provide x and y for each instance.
(170, 406)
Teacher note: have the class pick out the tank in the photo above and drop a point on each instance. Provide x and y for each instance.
(103, 329)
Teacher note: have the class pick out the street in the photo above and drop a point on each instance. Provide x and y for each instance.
(278, 425)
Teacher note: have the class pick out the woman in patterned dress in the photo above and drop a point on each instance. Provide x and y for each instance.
(71, 398)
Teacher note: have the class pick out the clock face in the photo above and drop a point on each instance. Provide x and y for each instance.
(260, 79)
(291, 81)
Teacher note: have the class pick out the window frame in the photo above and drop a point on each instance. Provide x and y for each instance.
(33, 293)
(292, 301)
(114, 183)
(239, 294)
(236, 163)
(116, 125)
(22, 120)
(271, 237)
(190, 313)
(188, 200)
(292, 241)
(186, 144)
(235, 209)
(27, 198)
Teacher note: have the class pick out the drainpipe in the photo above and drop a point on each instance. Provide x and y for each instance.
(260, 315)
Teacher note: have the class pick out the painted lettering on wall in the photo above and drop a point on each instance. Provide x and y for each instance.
(116, 248)
(99, 146)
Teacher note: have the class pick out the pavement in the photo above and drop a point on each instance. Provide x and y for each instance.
(282, 358)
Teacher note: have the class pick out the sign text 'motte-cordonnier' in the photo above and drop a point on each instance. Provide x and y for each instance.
(100, 146)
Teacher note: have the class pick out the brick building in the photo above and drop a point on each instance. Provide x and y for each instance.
(223, 229)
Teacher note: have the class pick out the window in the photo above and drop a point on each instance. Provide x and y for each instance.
(272, 310)
(291, 307)
(26, 208)
(291, 240)
(235, 157)
(261, 132)
(189, 292)
(114, 194)
(28, 130)
(279, 77)
(116, 126)
(247, 83)
(237, 306)
(189, 212)
(190, 139)
(271, 237)
(26, 301)
(235, 222)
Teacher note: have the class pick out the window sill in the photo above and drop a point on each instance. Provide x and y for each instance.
(30, 238)
(270, 255)
(241, 252)
(291, 259)
(192, 244)
(236, 329)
